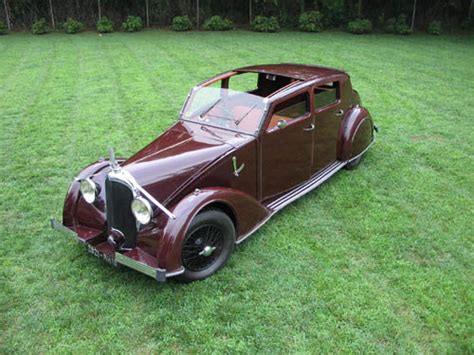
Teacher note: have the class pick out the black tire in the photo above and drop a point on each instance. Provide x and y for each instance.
(353, 164)
(211, 229)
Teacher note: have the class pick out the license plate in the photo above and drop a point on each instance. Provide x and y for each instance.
(108, 258)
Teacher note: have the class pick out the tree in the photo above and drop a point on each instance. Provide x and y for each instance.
(470, 10)
(98, 7)
(53, 24)
(413, 16)
(147, 14)
(7, 15)
(250, 12)
(197, 14)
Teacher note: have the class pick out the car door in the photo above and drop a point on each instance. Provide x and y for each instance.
(287, 145)
(328, 113)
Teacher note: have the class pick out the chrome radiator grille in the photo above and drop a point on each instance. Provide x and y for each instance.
(119, 214)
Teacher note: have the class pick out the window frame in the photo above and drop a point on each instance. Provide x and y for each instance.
(333, 103)
(306, 91)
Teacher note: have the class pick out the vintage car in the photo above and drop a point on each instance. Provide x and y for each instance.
(247, 143)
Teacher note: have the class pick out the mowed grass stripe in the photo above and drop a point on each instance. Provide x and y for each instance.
(376, 260)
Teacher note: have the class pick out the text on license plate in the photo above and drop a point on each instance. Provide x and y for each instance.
(108, 258)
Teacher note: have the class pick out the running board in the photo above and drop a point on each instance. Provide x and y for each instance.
(303, 189)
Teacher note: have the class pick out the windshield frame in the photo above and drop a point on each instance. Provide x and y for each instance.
(254, 134)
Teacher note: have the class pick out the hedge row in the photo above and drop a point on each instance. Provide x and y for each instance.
(311, 21)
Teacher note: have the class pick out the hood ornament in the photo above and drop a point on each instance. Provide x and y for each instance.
(113, 162)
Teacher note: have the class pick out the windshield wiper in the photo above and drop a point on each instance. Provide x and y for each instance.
(202, 114)
(237, 122)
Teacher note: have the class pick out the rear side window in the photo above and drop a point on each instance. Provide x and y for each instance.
(289, 110)
(326, 94)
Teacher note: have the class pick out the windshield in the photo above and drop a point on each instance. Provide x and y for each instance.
(225, 108)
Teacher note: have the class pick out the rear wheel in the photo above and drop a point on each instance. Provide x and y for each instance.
(207, 246)
(353, 164)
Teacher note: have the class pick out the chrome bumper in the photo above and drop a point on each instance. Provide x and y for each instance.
(157, 273)
(55, 224)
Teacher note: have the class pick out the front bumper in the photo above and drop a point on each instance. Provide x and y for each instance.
(134, 259)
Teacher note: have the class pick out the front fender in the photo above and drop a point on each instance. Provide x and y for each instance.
(247, 214)
(356, 133)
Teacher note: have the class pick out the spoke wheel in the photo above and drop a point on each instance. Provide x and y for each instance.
(202, 247)
(207, 245)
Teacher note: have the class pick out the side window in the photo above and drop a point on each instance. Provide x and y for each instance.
(326, 94)
(290, 110)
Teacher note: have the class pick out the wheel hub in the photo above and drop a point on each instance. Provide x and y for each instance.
(207, 251)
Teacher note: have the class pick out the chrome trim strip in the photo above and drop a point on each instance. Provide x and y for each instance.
(55, 224)
(317, 180)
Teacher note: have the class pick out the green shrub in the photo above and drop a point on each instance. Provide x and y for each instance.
(3, 28)
(265, 24)
(132, 24)
(217, 23)
(104, 25)
(181, 23)
(72, 26)
(434, 28)
(360, 26)
(390, 25)
(398, 25)
(40, 27)
(468, 24)
(311, 21)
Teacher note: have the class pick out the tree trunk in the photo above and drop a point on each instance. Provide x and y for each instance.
(413, 16)
(53, 24)
(147, 14)
(250, 12)
(360, 8)
(470, 10)
(98, 8)
(7, 16)
(197, 14)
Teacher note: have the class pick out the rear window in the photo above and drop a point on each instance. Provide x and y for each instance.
(326, 94)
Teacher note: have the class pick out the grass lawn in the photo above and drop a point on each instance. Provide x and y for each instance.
(376, 260)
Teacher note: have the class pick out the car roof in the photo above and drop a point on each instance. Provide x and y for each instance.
(296, 71)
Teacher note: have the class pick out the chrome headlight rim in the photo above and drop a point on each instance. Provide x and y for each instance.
(88, 190)
(141, 210)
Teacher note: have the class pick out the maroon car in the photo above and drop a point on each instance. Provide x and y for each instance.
(247, 143)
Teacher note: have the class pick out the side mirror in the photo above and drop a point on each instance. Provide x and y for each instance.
(282, 124)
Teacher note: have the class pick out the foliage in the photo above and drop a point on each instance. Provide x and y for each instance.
(398, 25)
(72, 26)
(40, 27)
(360, 26)
(378, 260)
(104, 25)
(434, 28)
(311, 21)
(217, 23)
(3, 28)
(181, 23)
(132, 24)
(468, 24)
(265, 24)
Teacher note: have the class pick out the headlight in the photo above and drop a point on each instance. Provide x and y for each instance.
(141, 209)
(89, 190)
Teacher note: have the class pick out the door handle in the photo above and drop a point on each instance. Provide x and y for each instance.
(339, 112)
(309, 128)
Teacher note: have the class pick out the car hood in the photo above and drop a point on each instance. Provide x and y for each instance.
(179, 154)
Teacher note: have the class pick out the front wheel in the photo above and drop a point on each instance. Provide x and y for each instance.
(208, 244)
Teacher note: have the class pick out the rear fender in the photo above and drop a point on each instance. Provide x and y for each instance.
(356, 133)
(247, 213)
